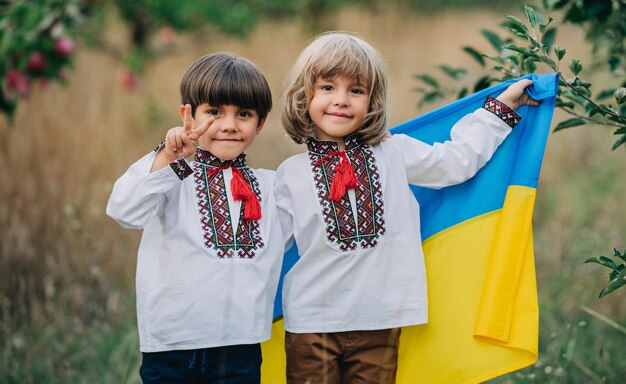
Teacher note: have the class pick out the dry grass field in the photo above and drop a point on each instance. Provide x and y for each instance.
(67, 270)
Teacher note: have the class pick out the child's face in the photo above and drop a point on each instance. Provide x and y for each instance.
(232, 132)
(338, 107)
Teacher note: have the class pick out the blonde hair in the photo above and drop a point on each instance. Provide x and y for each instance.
(329, 55)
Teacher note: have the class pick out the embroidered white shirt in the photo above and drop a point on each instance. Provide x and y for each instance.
(206, 277)
(361, 264)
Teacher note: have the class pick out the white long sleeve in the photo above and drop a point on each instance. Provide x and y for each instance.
(139, 195)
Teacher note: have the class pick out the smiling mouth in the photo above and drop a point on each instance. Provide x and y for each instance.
(339, 115)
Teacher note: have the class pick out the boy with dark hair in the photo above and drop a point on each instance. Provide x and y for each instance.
(211, 250)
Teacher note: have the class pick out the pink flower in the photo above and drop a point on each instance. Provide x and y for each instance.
(166, 36)
(129, 79)
(64, 46)
(37, 62)
(17, 83)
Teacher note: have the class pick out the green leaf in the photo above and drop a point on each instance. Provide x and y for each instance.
(475, 54)
(575, 98)
(497, 59)
(613, 285)
(593, 260)
(428, 80)
(620, 95)
(548, 38)
(606, 94)
(620, 131)
(542, 27)
(530, 15)
(493, 39)
(573, 122)
(575, 66)
(482, 83)
(564, 104)
(583, 91)
(534, 42)
(548, 61)
(617, 273)
(453, 73)
(619, 142)
(591, 109)
(559, 51)
(516, 21)
(431, 97)
(517, 31)
(522, 50)
(463, 93)
(616, 253)
(607, 262)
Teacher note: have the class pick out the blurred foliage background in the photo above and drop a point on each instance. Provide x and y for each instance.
(89, 86)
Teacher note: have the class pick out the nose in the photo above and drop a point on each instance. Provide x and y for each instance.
(228, 123)
(341, 98)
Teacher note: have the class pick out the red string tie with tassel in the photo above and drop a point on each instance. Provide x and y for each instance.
(242, 191)
(344, 178)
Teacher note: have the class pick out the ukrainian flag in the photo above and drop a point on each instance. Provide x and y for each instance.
(477, 239)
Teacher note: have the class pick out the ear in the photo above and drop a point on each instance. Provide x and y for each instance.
(260, 125)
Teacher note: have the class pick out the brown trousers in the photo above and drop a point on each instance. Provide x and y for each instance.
(355, 357)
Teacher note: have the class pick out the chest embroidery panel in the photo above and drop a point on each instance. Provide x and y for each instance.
(215, 217)
(338, 216)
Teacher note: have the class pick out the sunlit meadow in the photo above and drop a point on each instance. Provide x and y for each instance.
(67, 271)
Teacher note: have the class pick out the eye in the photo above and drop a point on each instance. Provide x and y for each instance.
(245, 114)
(213, 112)
(326, 87)
(359, 91)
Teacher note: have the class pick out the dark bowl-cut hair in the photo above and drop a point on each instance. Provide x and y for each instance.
(226, 79)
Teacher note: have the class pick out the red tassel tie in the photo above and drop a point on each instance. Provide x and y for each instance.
(242, 192)
(344, 178)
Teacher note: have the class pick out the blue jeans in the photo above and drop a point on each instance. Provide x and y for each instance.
(233, 364)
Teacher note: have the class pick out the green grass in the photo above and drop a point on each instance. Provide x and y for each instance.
(73, 350)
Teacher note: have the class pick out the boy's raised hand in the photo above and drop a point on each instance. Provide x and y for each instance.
(181, 141)
(514, 95)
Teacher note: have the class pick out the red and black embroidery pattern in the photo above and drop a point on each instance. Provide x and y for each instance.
(503, 111)
(181, 168)
(215, 212)
(339, 218)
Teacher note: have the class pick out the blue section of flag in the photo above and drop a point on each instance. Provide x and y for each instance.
(443, 208)
(290, 258)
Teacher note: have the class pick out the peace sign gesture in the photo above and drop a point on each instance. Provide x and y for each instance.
(181, 141)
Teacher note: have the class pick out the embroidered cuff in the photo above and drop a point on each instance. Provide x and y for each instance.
(503, 111)
(181, 168)
(161, 145)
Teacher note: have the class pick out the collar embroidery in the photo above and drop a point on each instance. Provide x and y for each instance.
(205, 157)
(339, 218)
(215, 211)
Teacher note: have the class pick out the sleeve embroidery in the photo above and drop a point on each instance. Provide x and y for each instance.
(161, 145)
(503, 111)
(181, 168)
